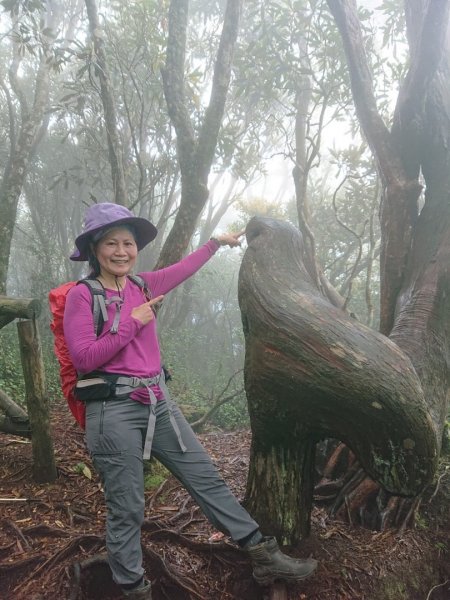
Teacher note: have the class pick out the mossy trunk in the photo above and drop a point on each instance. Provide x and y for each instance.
(280, 488)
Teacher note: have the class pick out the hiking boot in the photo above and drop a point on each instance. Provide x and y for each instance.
(142, 592)
(269, 563)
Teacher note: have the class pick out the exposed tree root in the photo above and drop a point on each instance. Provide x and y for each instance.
(87, 572)
(278, 591)
(182, 582)
(357, 499)
(16, 567)
(89, 541)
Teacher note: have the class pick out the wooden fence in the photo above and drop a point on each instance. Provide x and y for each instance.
(36, 423)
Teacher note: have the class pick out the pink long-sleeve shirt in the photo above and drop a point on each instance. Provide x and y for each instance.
(134, 349)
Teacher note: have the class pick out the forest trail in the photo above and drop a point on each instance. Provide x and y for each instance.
(52, 536)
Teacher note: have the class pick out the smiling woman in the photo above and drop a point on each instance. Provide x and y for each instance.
(116, 252)
(129, 413)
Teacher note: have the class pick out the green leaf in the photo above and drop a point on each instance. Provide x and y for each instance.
(83, 469)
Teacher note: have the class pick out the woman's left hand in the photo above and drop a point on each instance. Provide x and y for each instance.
(230, 239)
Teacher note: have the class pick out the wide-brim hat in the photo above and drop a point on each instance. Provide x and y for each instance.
(106, 215)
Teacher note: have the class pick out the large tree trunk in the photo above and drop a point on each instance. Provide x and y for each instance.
(415, 241)
(311, 371)
(195, 153)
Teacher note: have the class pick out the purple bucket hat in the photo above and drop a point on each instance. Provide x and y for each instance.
(106, 215)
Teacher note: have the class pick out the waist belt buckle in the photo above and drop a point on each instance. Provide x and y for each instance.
(135, 382)
(151, 381)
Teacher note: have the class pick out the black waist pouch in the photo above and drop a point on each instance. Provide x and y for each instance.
(93, 388)
(98, 385)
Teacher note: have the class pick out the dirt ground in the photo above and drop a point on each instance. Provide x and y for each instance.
(52, 537)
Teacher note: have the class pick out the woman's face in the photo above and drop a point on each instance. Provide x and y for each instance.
(116, 252)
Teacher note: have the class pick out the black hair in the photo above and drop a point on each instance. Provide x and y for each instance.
(92, 259)
(93, 262)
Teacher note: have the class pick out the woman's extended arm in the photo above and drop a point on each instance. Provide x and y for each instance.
(166, 279)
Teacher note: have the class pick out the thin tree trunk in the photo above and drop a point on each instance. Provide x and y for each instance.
(109, 105)
(24, 138)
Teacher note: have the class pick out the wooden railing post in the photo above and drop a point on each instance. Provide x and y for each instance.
(44, 467)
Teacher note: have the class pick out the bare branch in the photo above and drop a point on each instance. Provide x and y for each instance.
(426, 56)
(221, 81)
(378, 136)
(358, 238)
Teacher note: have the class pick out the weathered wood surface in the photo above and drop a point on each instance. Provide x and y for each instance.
(15, 419)
(18, 308)
(311, 371)
(44, 467)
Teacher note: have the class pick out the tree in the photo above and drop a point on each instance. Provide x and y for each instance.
(109, 105)
(312, 371)
(414, 293)
(412, 155)
(28, 116)
(195, 152)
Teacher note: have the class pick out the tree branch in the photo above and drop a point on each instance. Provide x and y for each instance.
(195, 157)
(209, 132)
(11, 113)
(13, 69)
(378, 136)
(15, 420)
(427, 46)
(426, 55)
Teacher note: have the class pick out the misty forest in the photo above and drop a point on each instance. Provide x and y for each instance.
(313, 361)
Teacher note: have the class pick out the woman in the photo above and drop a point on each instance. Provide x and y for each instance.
(129, 413)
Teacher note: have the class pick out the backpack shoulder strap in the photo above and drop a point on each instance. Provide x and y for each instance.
(140, 282)
(99, 312)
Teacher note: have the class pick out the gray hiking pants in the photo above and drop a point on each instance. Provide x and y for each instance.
(115, 435)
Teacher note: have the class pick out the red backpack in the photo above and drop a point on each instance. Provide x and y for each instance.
(68, 374)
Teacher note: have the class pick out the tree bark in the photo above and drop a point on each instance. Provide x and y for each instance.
(18, 308)
(397, 152)
(25, 135)
(109, 105)
(15, 420)
(195, 154)
(415, 245)
(278, 496)
(311, 371)
(44, 467)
